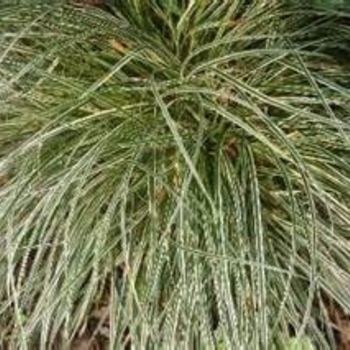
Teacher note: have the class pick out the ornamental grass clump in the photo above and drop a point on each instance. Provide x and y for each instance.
(180, 169)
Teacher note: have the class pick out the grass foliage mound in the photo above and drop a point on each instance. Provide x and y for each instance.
(183, 166)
